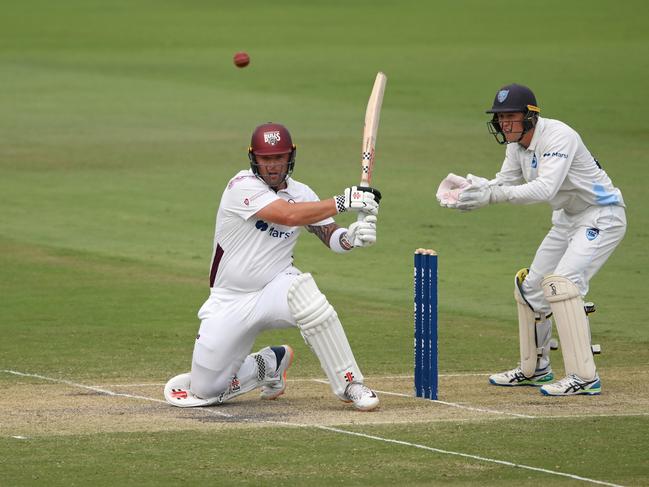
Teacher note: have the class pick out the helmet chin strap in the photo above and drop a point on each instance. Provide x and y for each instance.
(255, 168)
(520, 137)
(529, 123)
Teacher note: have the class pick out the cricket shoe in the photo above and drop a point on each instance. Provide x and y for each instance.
(177, 393)
(363, 398)
(573, 385)
(515, 377)
(276, 385)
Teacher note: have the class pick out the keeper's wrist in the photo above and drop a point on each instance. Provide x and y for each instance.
(498, 194)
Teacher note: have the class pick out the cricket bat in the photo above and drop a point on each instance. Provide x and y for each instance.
(372, 117)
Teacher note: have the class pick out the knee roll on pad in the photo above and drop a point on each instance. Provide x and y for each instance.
(323, 332)
(572, 324)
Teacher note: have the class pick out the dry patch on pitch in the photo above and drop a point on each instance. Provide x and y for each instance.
(30, 409)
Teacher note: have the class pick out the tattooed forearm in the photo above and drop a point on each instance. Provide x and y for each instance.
(323, 232)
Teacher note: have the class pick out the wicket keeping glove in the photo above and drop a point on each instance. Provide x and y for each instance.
(480, 193)
(474, 196)
(449, 190)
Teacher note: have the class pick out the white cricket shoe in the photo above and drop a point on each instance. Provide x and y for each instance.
(363, 397)
(276, 385)
(177, 393)
(515, 377)
(573, 385)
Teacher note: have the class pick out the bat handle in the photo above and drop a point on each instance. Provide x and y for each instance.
(361, 214)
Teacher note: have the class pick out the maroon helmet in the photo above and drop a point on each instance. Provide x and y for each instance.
(271, 139)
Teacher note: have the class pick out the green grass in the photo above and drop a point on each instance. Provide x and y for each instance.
(266, 456)
(122, 121)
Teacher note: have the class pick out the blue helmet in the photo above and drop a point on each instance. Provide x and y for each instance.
(511, 99)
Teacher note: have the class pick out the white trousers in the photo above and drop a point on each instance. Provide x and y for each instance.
(230, 323)
(576, 247)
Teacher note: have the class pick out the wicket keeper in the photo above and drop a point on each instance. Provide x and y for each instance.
(547, 161)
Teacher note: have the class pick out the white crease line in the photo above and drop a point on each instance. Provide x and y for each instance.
(335, 430)
(411, 377)
(374, 377)
(451, 404)
(609, 415)
(460, 406)
(324, 381)
(100, 390)
(466, 455)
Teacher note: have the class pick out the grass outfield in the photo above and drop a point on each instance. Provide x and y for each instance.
(121, 123)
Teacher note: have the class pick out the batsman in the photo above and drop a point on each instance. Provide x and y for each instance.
(255, 287)
(547, 161)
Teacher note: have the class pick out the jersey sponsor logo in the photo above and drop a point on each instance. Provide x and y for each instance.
(262, 226)
(592, 233)
(534, 162)
(502, 95)
(272, 138)
(556, 154)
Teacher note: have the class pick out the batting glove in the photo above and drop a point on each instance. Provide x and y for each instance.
(362, 233)
(359, 198)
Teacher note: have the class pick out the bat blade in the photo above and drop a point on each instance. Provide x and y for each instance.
(372, 117)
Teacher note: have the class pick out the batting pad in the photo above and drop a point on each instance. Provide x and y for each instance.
(572, 324)
(323, 332)
(526, 327)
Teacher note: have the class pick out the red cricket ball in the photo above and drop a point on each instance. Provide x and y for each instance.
(241, 59)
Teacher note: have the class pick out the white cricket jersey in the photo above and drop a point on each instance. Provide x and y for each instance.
(557, 168)
(249, 252)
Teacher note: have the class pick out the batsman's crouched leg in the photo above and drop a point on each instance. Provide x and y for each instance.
(323, 332)
(265, 369)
